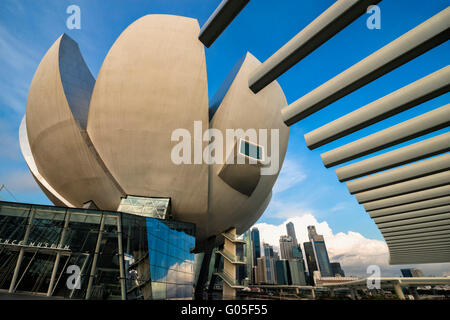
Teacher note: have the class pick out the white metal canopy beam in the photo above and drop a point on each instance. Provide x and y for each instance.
(398, 101)
(413, 214)
(435, 244)
(413, 255)
(436, 239)
(415, 221)
(426, 204)
(329, 23)
(220, 19)
(407, 130)
(416, 226)
(414, 232)
(414, 260)
(429, 251)
(417, 249)
(404, 173)
(407, 187)
(412, 197)
(422, 38)
(429, 233)
(417, 151)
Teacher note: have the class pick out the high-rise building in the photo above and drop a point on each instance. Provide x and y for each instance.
(310, 261)
(283, 273)
(256, 245)
(297, 253)
(411, 272)
(269, 264)
(290, 272)
(260, 276)
(286, 247)
(336, 269)
(276, 256)
(320, 252)
(265, 271)
(297, 273)
(291, 232)
(268, 250)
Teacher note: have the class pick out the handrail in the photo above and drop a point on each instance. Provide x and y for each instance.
(233, 259)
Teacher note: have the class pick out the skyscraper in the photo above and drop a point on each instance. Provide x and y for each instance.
(411, 272)
(269, 264)
(337, 270)
(260, 276)
(282, 269)
(256, 245)
(310, 261)
(291, 232)
(297, 272)
(268, 250)
(320, 252)
(286, 247)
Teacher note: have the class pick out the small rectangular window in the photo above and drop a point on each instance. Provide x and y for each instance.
(251, 150)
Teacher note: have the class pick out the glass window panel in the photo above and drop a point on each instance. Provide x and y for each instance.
(158, 291)
(171, 291)
(172, 276)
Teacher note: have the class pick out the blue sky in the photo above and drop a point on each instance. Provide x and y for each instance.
(29, 27)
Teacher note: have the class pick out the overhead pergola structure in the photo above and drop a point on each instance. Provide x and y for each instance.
(406, 191)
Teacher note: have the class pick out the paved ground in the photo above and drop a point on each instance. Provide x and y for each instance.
(19, 296)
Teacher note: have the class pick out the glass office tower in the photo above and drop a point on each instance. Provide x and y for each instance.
(320, 252)
(286, 247)
(297, 273)
(310, 261)
(337, 269)
(256, 245)
(43, 249)
(269, 264)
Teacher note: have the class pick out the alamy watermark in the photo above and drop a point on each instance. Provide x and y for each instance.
(374, 20)
(234, 146)
(74, 280)
(373, 281)
(74, 20)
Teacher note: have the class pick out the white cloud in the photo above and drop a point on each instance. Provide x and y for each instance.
(20, 182)
(354, 251)
(16, 60)
(291, 174)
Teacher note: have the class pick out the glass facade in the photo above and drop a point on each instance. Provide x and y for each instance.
(310, 261)
(114, 255)
(337, 269)
(256, 245)
(171, 263)
(322, 258)
(282, 272)
(148, 207)
(297, 273)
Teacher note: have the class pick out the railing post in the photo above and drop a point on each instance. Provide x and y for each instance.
(94, 260)
(121, 258)
(58, 254)
(12, 286)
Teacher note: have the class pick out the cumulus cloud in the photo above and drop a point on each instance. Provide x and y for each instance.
(351, 249)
